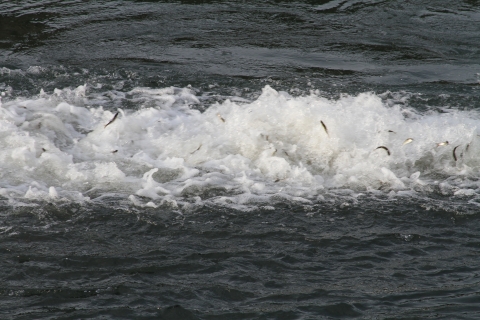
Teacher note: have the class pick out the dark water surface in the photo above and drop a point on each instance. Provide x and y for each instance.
(394, 261)
(333, 256)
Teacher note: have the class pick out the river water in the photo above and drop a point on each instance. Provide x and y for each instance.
(239, 160)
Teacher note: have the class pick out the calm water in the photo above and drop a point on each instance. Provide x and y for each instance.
(221, 160)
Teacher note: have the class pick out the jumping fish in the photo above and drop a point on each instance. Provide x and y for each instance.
(114, 151)
(111, 121)
(196, 149)
(391, 131)
(466, 150)
(385, 148)
(454, 155)
(324, 127)
(220, 117)
(444, 143)
(407, 141)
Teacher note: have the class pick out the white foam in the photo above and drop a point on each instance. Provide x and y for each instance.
(236, 153)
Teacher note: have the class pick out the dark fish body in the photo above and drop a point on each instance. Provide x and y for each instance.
(324, 127)
(111, 121)
(196, 149)
(384, 148)
(454, 155)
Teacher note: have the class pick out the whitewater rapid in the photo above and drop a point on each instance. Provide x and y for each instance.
(58, 147)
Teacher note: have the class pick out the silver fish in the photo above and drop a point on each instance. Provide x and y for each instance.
(407, 141)
(444, 143)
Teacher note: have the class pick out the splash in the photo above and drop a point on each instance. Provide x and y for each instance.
(66, 147)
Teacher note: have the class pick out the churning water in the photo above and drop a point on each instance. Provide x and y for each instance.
(212, 160)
